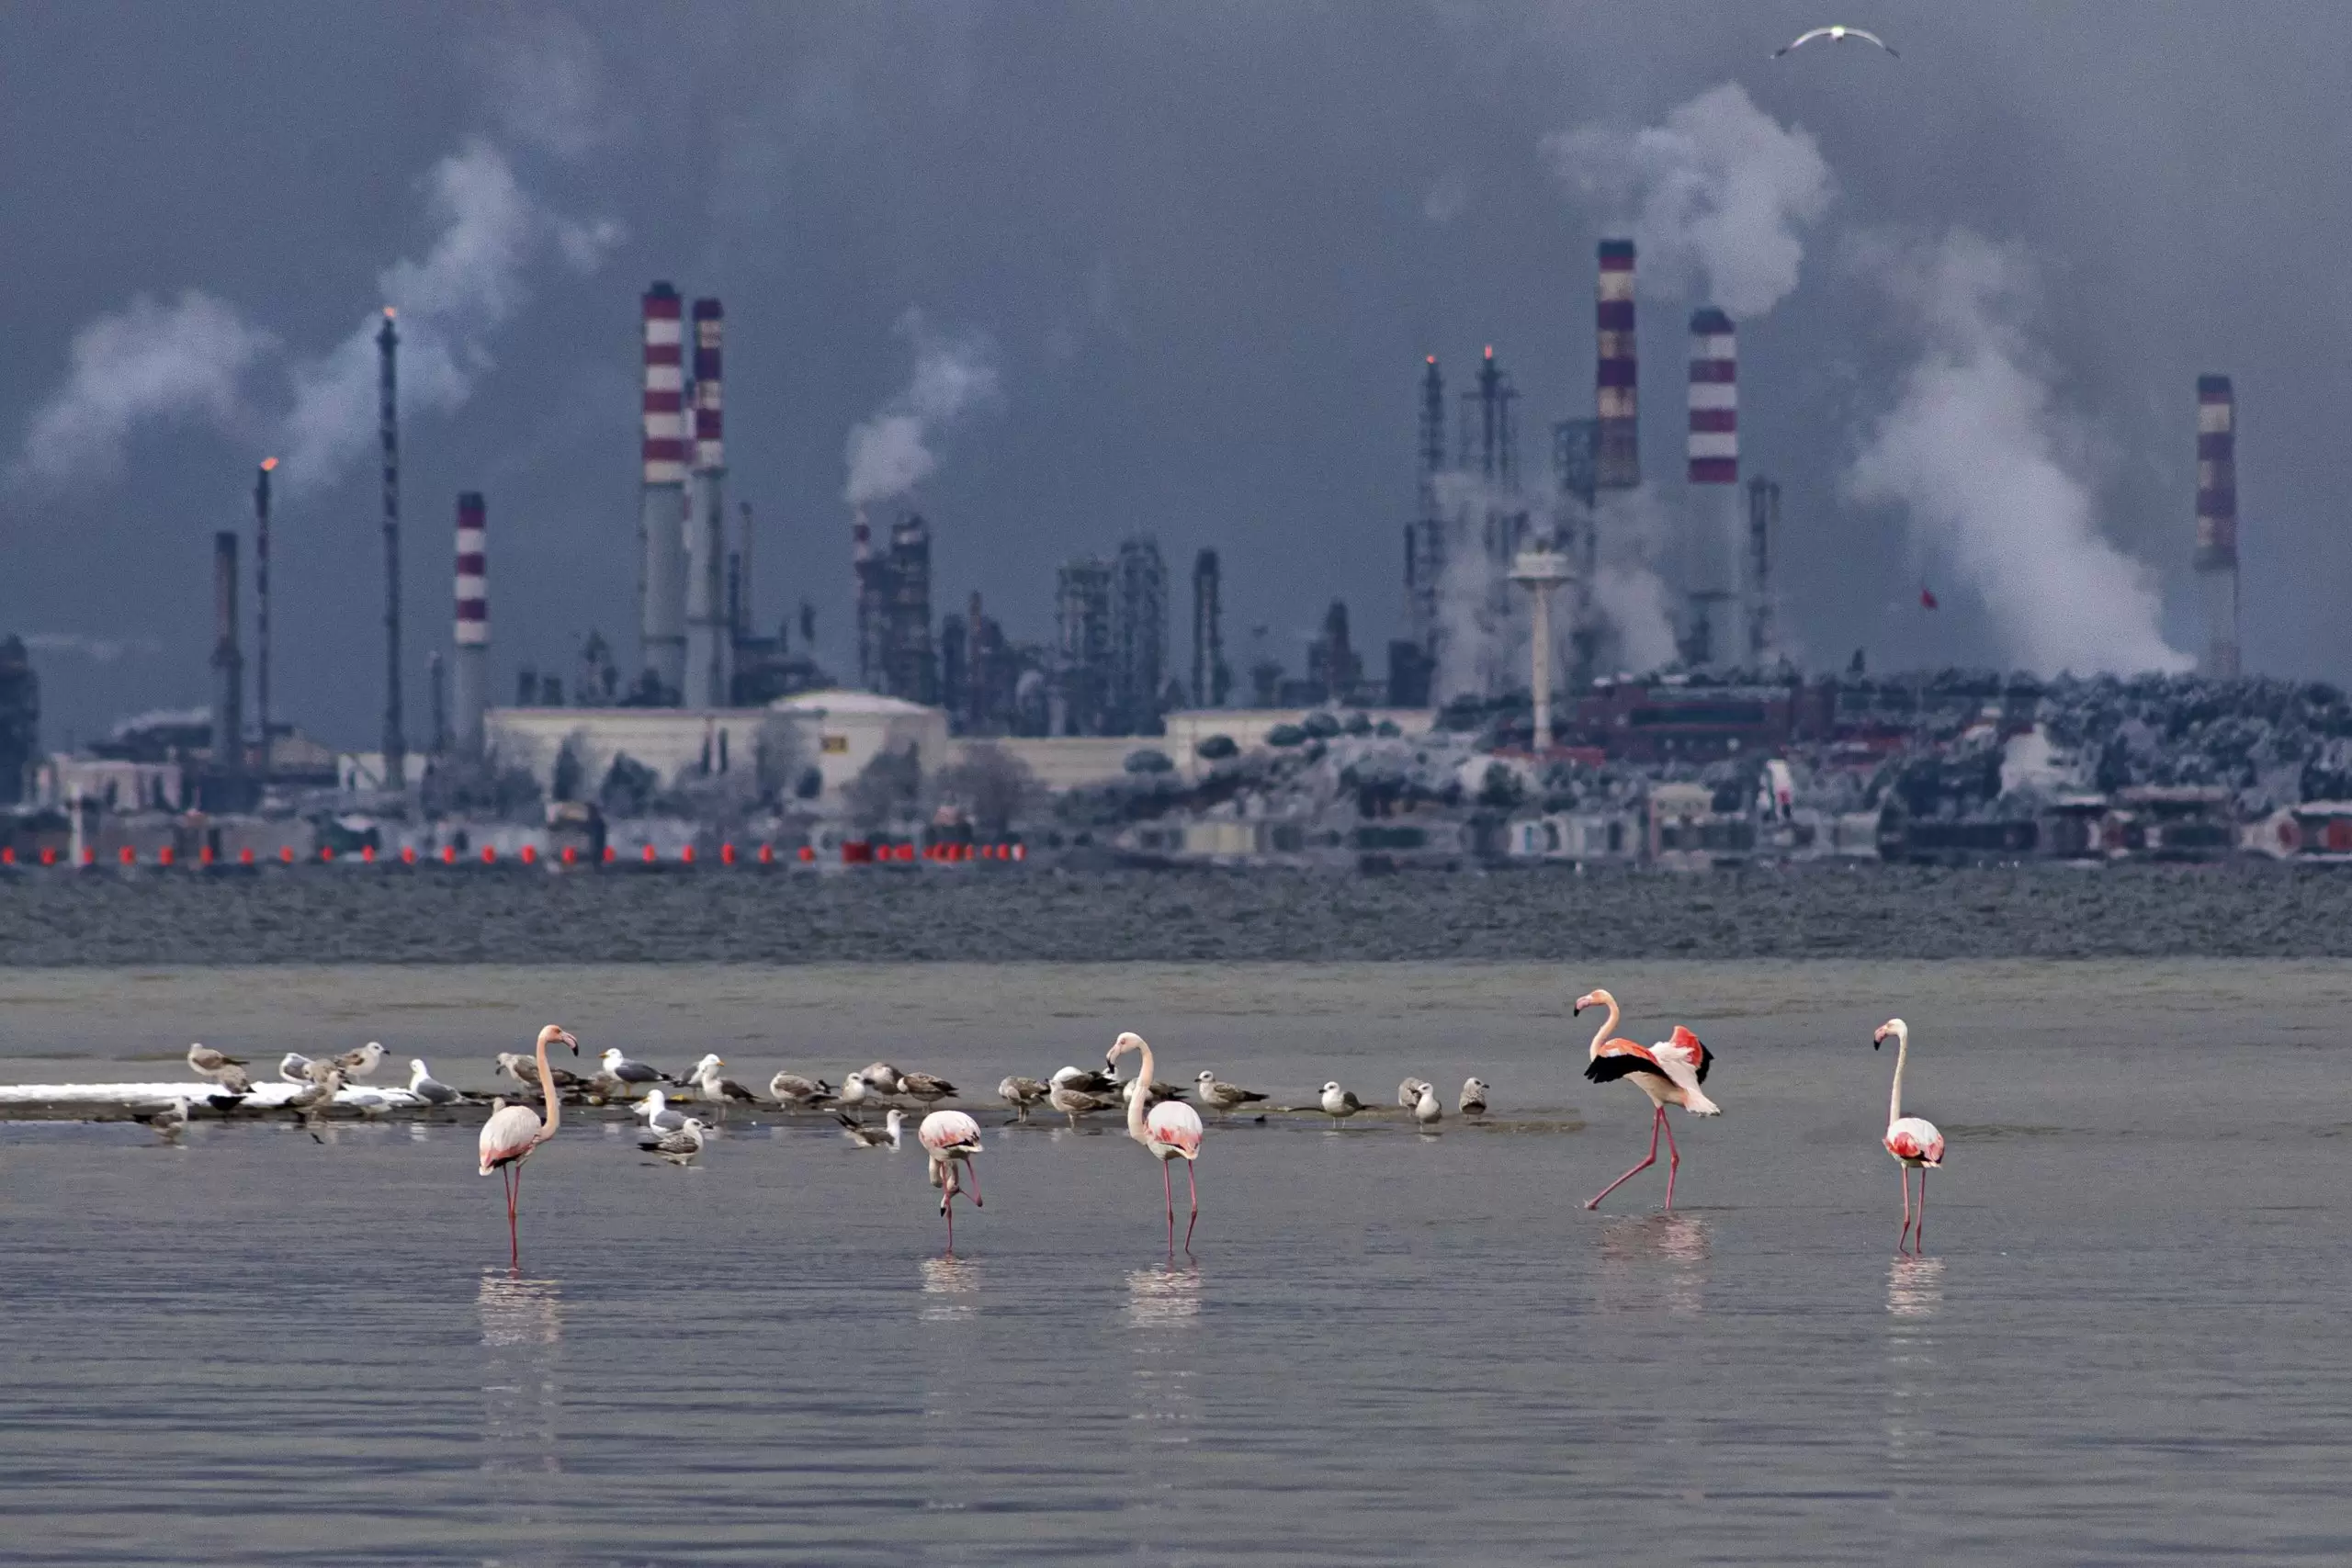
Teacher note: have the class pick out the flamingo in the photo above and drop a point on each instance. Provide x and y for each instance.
(1912, 1140)
(1171, 1130)
(1668, 1072)
(948, 1137)
(514, 1131)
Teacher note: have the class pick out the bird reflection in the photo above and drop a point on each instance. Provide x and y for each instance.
(948, 1278)
(1915, 1293)
(522, 1337)
(1655, 1262)
(1164, 1297)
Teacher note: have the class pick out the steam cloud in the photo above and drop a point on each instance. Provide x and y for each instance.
(1974, 452)
(151, 360)
(195, 359)
(1721, 187)
(955, 374)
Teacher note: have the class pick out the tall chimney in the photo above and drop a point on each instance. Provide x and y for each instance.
(1617, 448)
(1718, 523)
(1763, 540)
(1208, 628)
(470, 681)
(1425, 535)
(387, 418)
(261, 603)
(228, 663)
(706, 649)
(661, 515)
(2217, 522)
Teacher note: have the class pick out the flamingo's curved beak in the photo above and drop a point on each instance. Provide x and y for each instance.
(566, 1037)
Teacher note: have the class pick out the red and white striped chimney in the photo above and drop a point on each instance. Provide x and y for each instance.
(2217, 521)
(706, 643)
(660, 522)
(1617, 454)
(470, 671)
(1717, 525)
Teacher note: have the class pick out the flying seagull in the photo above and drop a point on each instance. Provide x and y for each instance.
(1835, 35)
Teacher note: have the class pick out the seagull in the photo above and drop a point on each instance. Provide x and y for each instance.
(1835, 35)
(312, 1101)
(1338, 1103)
(854, 1091)
(881, 1077)
(293, 1067)
(791, 1088)
(425, 1087)
(171, 1120)
(1074, 1102)
(1220, 1096)
(631, 1072)
(227, 1071)
(1085, 1081)
(1408, 1093)
(706, 1078)
(926, 1087)
(678, 1146)
(360, 1063)
(867, 1137)
(1429, 1110)
(1021, 1094)
(655, 1109)
(1161, 1093)
(522, 1070)
(1474, 1097)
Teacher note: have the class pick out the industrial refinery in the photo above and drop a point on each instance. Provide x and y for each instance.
(1511, 721)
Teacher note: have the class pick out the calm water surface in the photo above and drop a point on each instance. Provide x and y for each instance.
(2128, 1340)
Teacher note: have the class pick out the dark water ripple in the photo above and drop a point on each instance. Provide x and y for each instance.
(992, 915)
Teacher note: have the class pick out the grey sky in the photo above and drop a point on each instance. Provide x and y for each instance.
(1210, 243)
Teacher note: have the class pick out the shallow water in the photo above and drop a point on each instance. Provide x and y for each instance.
(993, 914)
(2127, 1340)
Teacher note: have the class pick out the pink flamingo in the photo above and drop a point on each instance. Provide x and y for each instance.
(1912, 1140)
(514, 1131)
(950, 1137)
(1668, 1072)
(1171, 1131)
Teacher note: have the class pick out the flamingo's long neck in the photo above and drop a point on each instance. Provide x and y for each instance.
(1608, 1027)
(553, 1101)
(1895, 1099)
(1135, 1128)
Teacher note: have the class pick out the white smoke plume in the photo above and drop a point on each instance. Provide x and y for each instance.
(153, 360)
(198, 358)
(1484, 620)
(1721, 188)
(955, 374)
(1636, 608)
(1979, 456)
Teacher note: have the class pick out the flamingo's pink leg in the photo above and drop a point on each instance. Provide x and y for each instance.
(1192, 1184)
(973, 1169)
(1657, 1121)
(1673, 1158)
(1920, 1231)
(1167, 1186)
(1903, 1240)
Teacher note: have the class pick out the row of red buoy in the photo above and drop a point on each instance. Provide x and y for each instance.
(854, 853)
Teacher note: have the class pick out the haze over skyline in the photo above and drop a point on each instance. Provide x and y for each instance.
(1198, 253)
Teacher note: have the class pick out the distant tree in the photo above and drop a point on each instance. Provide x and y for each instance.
(887, 790)
(1499, 788)
(569, 771)
(1217, 749)
(996, 789)
(628, 789)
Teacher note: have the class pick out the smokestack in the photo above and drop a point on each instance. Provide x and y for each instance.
(1425, 536)
(228, 663)
(1717, 526)
(744, 620)
(387, 417)
(706, 649)
(661, 516)
(1617, 448)
(2217, 522)
(1208, 626)
(261, 603)
(1763, 539)
(470, 677)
